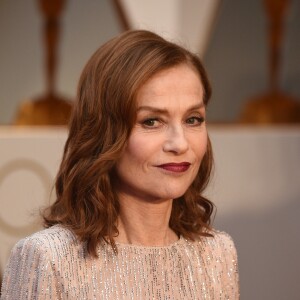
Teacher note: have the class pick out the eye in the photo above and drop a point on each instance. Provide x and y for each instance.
(152, 122)
(195, 121)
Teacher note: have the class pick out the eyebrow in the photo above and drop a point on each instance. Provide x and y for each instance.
(165, 111)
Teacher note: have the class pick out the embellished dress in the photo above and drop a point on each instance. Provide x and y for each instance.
(53, 264)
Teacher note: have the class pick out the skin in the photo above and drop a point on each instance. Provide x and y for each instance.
(170, 128)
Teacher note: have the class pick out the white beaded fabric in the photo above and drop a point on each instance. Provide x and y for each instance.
(53, 264)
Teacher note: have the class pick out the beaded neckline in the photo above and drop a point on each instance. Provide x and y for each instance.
(124, 245)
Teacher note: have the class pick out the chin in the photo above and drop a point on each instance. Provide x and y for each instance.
(172, 194)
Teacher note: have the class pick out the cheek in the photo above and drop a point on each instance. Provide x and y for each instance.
(138, 149)
(200, 146)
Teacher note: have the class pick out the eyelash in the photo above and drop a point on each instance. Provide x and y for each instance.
(199, 121)
(148, 121)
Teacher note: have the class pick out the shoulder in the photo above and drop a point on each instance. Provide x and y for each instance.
(219, 242)
(219, 251)
(31, 270)
(48, 237)
(216, 255)
(219, 246)
(220, 239)
(46, 242)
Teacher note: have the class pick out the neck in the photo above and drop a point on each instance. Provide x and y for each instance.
(145, 223)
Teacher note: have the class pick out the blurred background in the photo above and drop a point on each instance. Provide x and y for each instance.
(251, 52)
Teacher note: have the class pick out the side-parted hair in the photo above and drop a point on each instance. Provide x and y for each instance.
(103, 117)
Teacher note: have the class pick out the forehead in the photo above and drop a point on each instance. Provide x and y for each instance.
(172, 83)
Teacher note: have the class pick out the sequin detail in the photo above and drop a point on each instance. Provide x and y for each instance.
(53, 264)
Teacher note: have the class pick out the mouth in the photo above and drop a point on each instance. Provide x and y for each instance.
(175, 167)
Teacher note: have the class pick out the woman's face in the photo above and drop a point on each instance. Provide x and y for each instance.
(169, 139)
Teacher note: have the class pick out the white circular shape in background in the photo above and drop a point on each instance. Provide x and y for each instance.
(22, 181)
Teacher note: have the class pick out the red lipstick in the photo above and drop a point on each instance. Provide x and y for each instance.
(175, 167)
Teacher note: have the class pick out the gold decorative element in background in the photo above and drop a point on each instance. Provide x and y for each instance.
(50, 108)
(275, 106)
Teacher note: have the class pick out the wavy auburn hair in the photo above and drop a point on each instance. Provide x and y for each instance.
(102, 119)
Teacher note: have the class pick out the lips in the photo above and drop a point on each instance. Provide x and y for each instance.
(175, 167)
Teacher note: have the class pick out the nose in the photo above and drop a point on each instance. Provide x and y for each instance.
(175, 141)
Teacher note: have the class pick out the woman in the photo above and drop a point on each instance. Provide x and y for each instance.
(130, 221)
